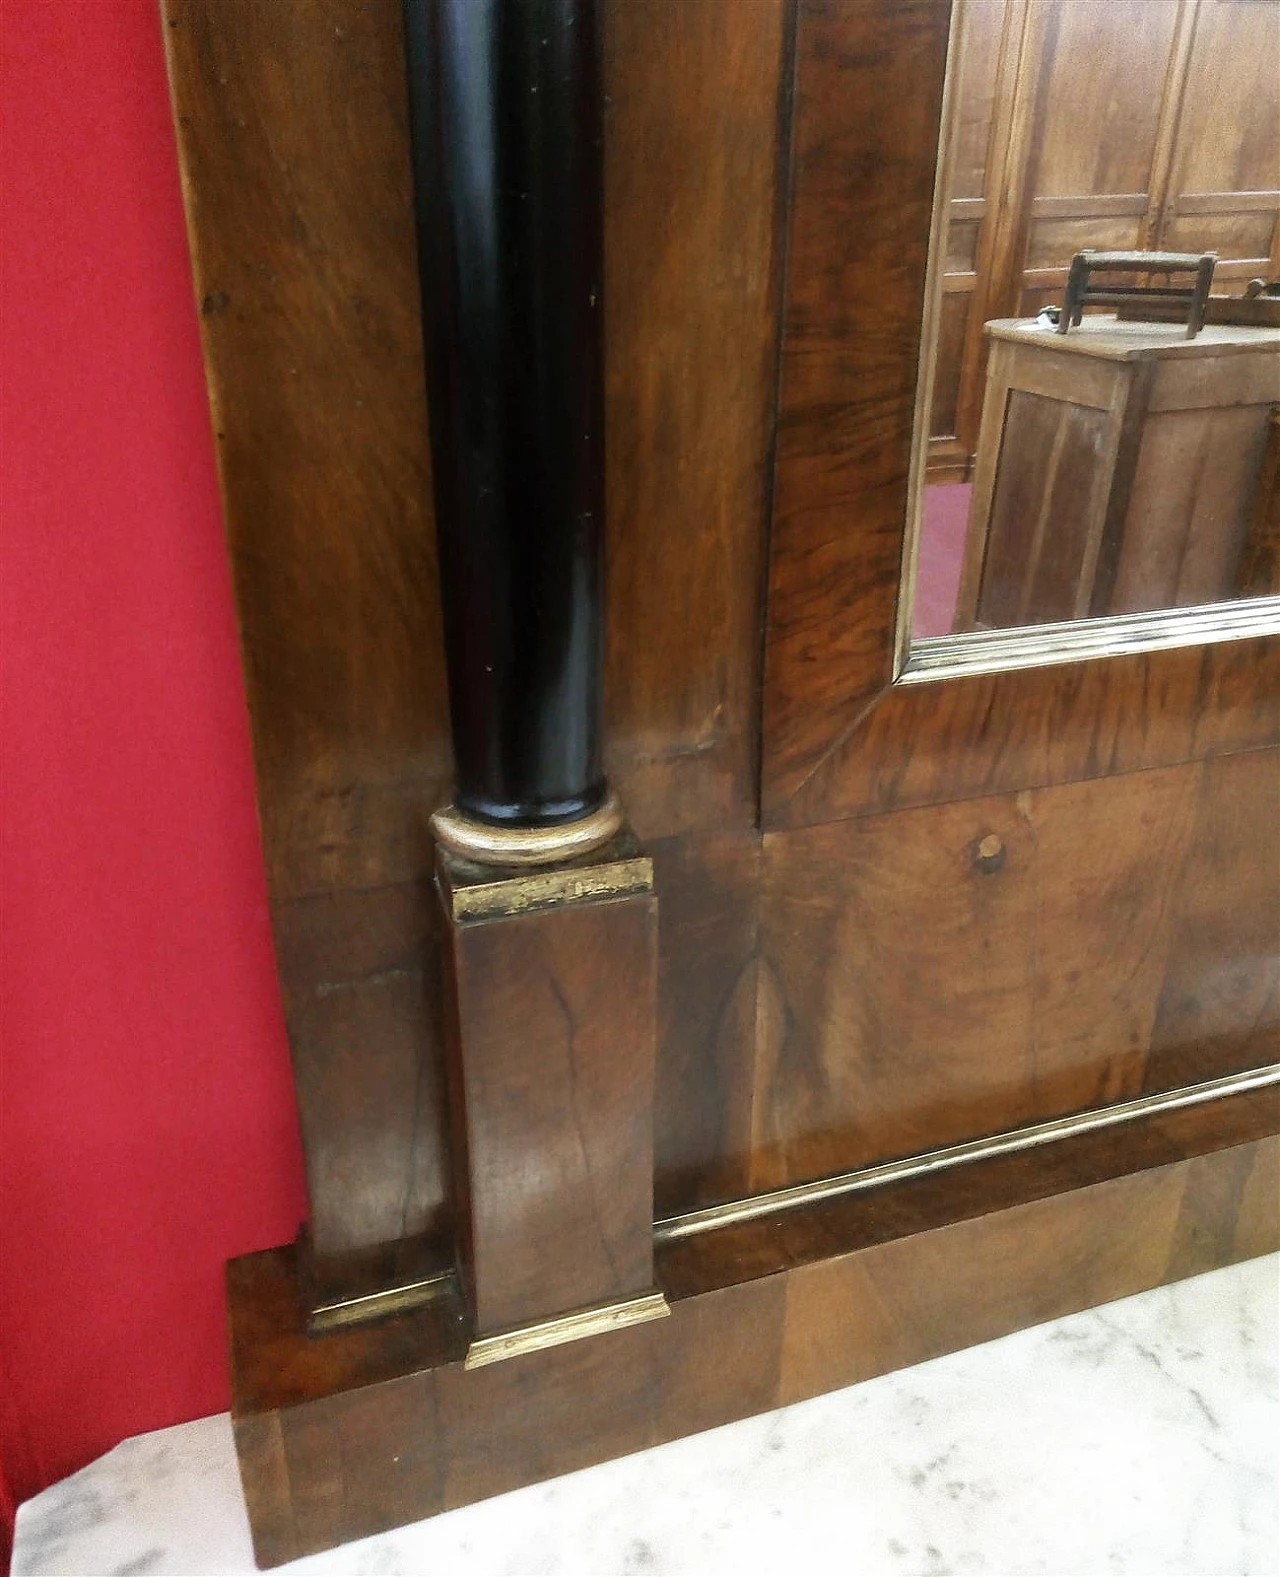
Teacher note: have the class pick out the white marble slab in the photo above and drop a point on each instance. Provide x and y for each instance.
(1143, 1438)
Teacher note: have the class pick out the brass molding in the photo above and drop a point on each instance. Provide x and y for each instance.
(488, 845)
(377, 1305)
(1086, 640)
(566, 1328)
(651, 1306)
(474, 892)
(801, 1194)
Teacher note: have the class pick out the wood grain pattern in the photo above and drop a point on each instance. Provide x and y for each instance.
(552, 1051)
(293, 140)
(292, 132)
(351, 697)
(1033, 576)
(928, 744)
(1194, 492)
(1118, 936)
(380, 1425)
(905, 1301)
(865, 135)
(707, 996)
(1260, 560)
(359, 971)
(693, 144)
(305, 267)
(1219, 1007)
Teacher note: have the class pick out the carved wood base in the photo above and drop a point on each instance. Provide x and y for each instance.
(345, 1435)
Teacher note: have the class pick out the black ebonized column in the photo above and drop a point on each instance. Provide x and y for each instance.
(506, 110)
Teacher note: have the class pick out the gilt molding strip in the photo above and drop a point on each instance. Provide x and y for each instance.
(799, 1195)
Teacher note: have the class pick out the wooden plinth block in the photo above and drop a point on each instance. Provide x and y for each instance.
(553, 978)
(349, 1434)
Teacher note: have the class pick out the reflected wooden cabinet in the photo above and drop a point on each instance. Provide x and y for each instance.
(1116, 124)
(1119, 470)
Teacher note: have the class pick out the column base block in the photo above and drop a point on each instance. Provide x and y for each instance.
(552, 1026)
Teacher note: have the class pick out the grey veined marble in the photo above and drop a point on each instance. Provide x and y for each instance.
(1142, 1437)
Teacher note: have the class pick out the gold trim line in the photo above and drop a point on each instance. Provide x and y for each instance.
(377, 1305)
(566, 1328)
(541, 889)
(1085, 640)
(736, 1211)
(487, 845)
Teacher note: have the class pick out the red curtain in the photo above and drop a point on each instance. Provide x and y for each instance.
(147, 1125)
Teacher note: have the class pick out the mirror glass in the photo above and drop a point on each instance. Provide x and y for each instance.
(1101, 365)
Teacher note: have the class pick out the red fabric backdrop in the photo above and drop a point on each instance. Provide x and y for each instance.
(148, 1128)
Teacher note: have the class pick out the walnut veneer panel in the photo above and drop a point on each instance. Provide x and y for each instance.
(927, 744)
(293, 140)
(865, 137)
(553, 1063)
(359, 969)
(292, 128)
(939, 974)
(693, 150)
(707, 994)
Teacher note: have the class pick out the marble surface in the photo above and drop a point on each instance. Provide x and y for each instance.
(1142, 1437)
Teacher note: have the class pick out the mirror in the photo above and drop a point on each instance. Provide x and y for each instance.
(1122, 457)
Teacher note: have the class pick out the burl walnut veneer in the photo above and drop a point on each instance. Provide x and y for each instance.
(896, 1015)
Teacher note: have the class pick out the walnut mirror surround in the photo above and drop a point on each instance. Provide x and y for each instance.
(1096, 464)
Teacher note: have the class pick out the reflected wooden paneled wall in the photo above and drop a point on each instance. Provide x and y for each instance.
(1107, 123)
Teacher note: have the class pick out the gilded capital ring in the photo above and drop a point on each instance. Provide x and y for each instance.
(489, 845)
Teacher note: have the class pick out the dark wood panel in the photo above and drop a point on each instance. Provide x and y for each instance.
(1219, 1008)
(762, 1314)
(931, 743)
(849, 1223)
(554, 1055)
(693, 144)
(940, 974)
(360, 974)
(707, 988)
(293, 140)
(868, 99)
(292, 133)
(1260, 560)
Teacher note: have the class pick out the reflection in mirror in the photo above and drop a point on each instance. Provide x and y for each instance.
(1124, 455)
